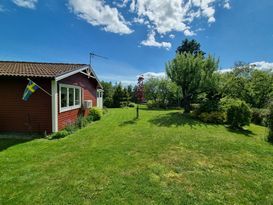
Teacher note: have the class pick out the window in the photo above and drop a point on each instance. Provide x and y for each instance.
(70, 97)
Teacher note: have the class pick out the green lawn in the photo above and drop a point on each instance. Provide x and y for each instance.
(162, 158)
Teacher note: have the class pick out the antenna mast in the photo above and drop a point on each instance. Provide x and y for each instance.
(92, 55)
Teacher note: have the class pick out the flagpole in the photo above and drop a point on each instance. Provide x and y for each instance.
(40, 87)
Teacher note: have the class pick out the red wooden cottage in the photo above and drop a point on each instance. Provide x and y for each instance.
(73, 89)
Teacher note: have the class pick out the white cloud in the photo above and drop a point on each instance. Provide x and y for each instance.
(97, 13)
(172, 36)
(160, 17)
(227, 4)
(260, 65)
(30, 4)
(153, 43)
(263, 65)
(189, 33)
(149, 75)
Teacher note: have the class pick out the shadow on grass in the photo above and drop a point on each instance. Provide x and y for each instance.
(129, 122)
(175, 119)
(247, 133)
(6, 143)
(9, 139)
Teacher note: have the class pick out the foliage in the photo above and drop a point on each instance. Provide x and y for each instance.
(108, 92)
(96, 113)
(216, 117)
(140, 89)
(83, 121)
(247, 83)
(190, 46)
(238, 114)
(152, 104)
(262, 87)
(59, 135)
(259, 116)
(131, 104)
(270, 123)
(163, 92)
(118, 96)
(193, 74)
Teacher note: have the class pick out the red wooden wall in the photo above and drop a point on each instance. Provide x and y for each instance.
(17, 115)
(89, 88)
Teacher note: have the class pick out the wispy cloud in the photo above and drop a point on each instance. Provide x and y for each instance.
(30, 4)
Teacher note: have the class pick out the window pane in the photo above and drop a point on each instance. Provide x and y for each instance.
(77, 96)
(63, 97)
(71, 96)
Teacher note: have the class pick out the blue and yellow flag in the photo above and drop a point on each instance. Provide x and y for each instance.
(30, 89)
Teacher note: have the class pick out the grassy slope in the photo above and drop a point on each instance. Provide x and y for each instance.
(162, 158)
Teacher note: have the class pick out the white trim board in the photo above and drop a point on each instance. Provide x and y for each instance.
(54, 106)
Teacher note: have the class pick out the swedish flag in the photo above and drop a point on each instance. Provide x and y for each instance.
(30, 89)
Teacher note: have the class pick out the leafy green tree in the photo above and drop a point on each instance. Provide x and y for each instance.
(108, 93)
(163, 92)
(193, 74)
(262, 87)
(190, 46)
(118, 96)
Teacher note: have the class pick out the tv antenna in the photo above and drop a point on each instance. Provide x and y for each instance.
(92, 55)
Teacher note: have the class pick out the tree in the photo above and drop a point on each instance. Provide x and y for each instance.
(108, 91)
(190, 46)
(140, 89)
(261, 85)
(193, 74)
(162, 91)
(118, 96)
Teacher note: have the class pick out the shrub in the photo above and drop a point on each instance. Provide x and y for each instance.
(238, 113)
(208, 106)
(259, 116)
(152, 104)
(131, 104)
(216, 117)
(195, 107)
(83, 121)
(96, 113)
(108, 102)
(270, 123)
(59, 135)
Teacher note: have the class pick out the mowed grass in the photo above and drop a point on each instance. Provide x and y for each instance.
(162, 158)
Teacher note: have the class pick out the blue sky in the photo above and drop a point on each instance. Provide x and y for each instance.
(138, 36)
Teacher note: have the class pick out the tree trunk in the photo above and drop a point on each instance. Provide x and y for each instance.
(187, 104)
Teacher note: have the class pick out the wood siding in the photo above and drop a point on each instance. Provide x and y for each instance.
(17, 115)
(89, 91)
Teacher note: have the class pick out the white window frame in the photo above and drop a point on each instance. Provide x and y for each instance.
(68, 108)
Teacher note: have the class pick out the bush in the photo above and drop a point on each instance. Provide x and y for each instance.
(216, 117)
(151, 104)
(238, 113)
(259, 116)
(270, 123)
(195, 107)
(208, 106)
(131, 104)
(83, 121)
(96, 113)
(59, 135)
(108, 102)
